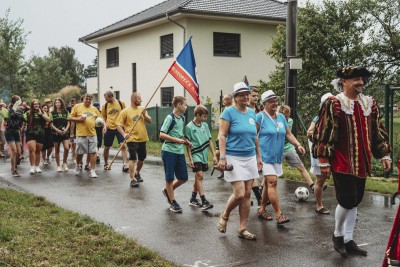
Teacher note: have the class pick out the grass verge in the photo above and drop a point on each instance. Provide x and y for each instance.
(34, 232)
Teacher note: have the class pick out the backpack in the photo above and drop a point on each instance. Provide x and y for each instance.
(171, 126)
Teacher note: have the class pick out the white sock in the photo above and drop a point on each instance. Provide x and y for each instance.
(340, 218)
(349, 225)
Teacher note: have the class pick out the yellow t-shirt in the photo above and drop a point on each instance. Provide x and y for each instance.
(127, 118)
(86, 127)
(113, 111)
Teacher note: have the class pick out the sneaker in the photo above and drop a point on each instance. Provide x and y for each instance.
(312, 187)
(77, 171)
(139, 178)
(38, 170)
(221, 175)
(194, 202)
(87, 168)
(206, 206)
(165, 193)
(93, 174)
(97, 160)
(45, 162)
(65, 167)
(59, 169)
(134, 183)
(15, 173)
(125, 168)
(80, 167)
(175, 207)
(32, 171)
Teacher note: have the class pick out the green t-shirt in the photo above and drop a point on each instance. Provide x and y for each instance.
(14, 120)
(177, 132)
(37, 126)
(200, 137)
(2, 115)
(288, 146)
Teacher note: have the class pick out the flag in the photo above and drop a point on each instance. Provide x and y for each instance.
(245, 80)
(184, 70)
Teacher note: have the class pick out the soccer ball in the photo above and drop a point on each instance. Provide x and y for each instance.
(99, 122)
(301, 194)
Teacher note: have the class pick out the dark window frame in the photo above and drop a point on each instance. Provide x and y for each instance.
(134, 77)
(167, 46)
(226, 44)
(164, 94)
(112, 57)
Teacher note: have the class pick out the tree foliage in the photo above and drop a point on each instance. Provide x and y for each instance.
(339, 33)
(69, 64)
(12, 44)
(91, 70)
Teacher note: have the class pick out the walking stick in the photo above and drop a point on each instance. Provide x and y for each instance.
(133, 127)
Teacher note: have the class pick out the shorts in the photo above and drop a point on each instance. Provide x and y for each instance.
(349, 189)
(110, 135)
(174, 164)
(217, 144)
(200, 167)
(86, 144)
(2, 137)
(99, 134)
(59, 138)
(292, 159)
(12, 137)
(137, 150)
(244, 168)
(33, 137)
(72, 141)
(272, 169)
(314, 162)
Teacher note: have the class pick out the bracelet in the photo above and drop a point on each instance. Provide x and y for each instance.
(386, 158)
(222, 158)
(322, 165)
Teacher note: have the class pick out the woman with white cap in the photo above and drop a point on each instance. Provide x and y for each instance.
(238, 144)
(319, 182)
(273, 129)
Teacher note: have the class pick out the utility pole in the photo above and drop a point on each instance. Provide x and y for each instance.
(292, 63)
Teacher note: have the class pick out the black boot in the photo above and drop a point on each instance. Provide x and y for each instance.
(338, 244)
(352, 248)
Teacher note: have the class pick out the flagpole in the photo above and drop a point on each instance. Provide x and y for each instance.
(133, 127)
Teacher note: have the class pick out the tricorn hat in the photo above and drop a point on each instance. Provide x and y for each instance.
(353, 72)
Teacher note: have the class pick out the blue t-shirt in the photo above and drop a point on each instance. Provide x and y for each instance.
(241, 139)
(271, 137)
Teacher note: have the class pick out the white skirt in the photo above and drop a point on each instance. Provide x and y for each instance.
(314, 162)
(272, 169)
(244, 168)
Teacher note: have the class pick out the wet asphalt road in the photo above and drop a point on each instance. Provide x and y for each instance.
(191, 238)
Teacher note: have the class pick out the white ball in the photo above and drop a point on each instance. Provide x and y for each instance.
(301, 193)
(99, 122)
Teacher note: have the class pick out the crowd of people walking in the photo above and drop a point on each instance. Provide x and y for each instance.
(253, 141)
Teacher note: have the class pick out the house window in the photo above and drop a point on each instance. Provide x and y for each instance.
(134, 78)
(226, 44)
(167, 93)
(167, 46)
(116, 94)
(112, 57)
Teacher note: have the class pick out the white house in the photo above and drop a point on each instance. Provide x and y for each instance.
(229, 37)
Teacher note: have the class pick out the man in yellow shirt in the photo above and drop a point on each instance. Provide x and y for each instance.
(84, 116)
(110, 112)
(136, 137)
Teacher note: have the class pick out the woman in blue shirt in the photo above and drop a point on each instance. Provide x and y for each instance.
(273, 129)
(238, 144)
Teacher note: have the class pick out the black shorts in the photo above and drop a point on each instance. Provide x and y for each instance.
(38, 138)
(99, 134)
(349, 189)
(137, 150)
(200, 166)
(57, 138)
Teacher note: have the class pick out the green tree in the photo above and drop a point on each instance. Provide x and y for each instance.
(12, 44)
(91, 70)
(70, 65)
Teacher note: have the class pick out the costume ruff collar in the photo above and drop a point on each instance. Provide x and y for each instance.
(347, 104)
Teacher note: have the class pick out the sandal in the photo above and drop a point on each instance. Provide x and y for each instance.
(246, 235)
(107, 167)
(222, 227)
(282, 219)
(264, 215)
(125, 168)
(323, 211)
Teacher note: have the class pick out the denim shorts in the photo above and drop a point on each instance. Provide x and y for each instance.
(12, 137)
(174, 165)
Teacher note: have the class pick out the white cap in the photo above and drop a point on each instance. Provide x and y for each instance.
(268, 95)
(324, 98)
(240, 87)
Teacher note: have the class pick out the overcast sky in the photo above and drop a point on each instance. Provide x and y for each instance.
(62, 22)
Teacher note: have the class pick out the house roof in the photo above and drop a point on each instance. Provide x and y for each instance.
(255, 9)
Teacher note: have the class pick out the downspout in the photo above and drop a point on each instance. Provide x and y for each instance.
(184, 38)
(98, 70)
